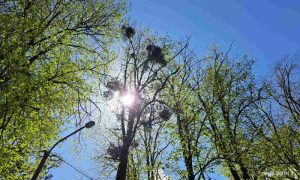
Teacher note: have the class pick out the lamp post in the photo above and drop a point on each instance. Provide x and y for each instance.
(47, 153)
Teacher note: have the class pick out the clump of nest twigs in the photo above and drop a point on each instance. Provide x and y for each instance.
(128, 31)
(113, 85)
(165, 114)
(114, 151)
(155, 54)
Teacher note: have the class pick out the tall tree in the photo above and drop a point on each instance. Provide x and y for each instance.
(189, 121)
(144, 75)
(49, 49)
(279, 114)
(228, 95)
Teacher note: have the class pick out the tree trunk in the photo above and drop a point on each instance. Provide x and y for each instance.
(234, 173)
(122, 168)
(245, 172)
(189, 166)
(185, 145)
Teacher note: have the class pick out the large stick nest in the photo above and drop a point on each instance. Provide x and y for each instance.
(155, 54)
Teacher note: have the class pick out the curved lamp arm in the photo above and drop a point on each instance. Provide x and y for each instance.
(47, 153)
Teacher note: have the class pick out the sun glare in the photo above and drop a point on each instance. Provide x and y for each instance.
(127, 99)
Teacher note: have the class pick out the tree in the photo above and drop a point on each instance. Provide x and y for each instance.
(188, 122)
(49, 51)
(145, 71)
(279, 114)
(228, 95)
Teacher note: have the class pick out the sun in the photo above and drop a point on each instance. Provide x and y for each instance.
(127, 99)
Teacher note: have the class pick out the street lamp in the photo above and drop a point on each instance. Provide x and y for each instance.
(47, 153)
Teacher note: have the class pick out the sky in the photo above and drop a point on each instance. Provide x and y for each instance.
(265, 30)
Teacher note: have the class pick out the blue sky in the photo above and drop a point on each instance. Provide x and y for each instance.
(265, 30)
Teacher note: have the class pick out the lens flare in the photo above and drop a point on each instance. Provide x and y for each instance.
(127, 100)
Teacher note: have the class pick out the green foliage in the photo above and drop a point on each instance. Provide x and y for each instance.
(218, 118)
(50, 52)
(228, 97)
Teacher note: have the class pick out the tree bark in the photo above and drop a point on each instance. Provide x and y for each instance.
(245, 172)
(234, 173)
(122, 168)
(189, 166)
(185, 145)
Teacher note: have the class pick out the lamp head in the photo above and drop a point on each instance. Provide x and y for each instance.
(90, 124)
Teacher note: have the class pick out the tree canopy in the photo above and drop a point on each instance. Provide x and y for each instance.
(49, 51)
(177, 114)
